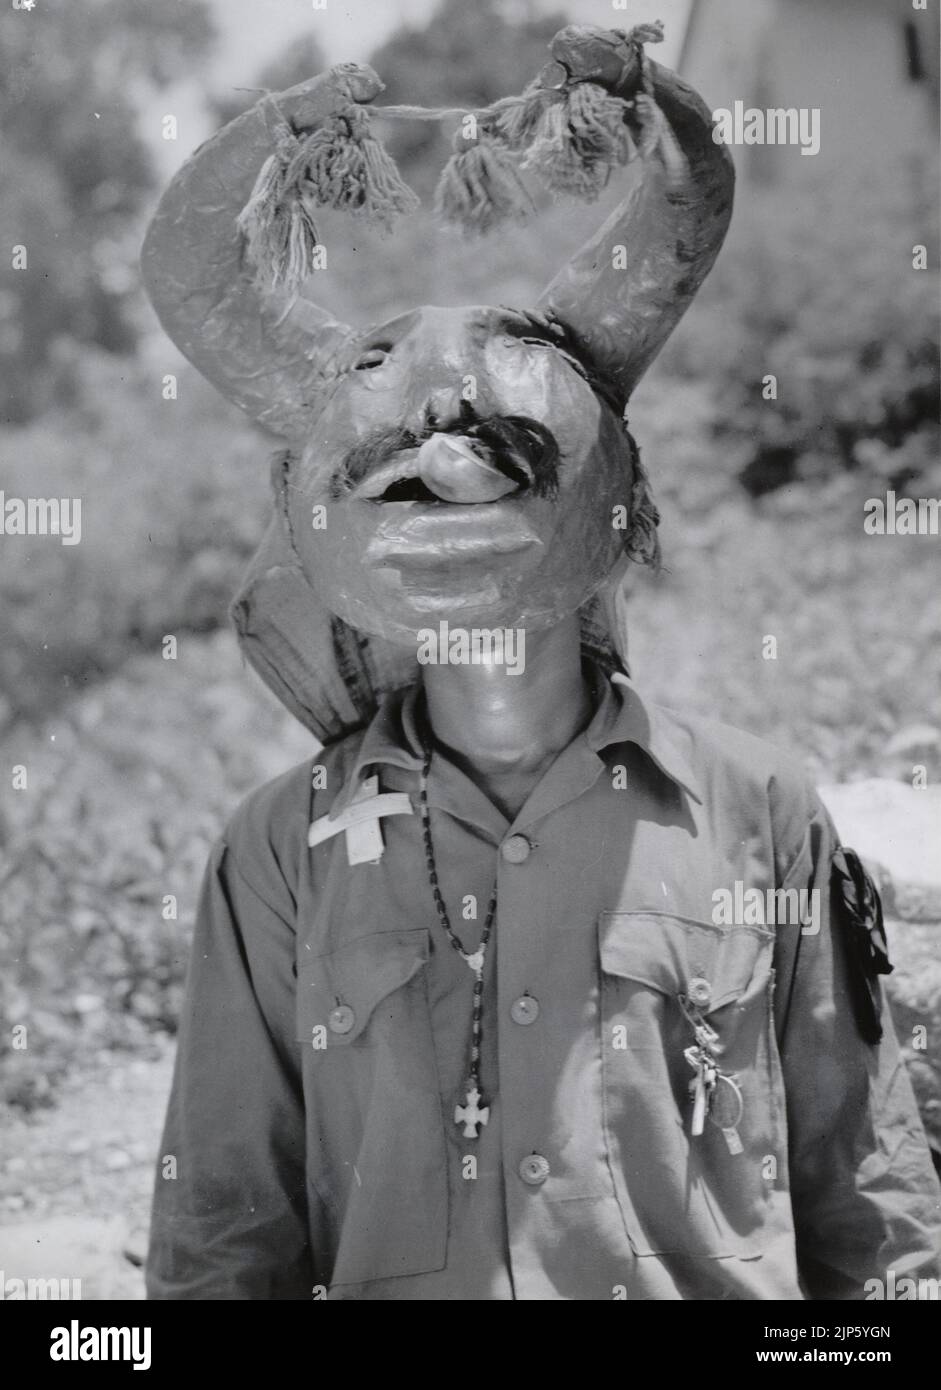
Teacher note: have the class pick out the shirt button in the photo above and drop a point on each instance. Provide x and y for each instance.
(699, 992)
(516, 849)
(524, 1010)
(534, 1170)
(342, 1019)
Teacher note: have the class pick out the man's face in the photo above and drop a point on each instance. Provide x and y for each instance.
(468, 473)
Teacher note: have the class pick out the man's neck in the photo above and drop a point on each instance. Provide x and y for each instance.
(505, 729)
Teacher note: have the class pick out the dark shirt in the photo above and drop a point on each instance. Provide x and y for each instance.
(324, 1043)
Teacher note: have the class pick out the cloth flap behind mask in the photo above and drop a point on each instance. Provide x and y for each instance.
(330, 677)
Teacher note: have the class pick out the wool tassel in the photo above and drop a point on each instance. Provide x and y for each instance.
(479, 187)
(349, 170)
(279, 232)
(515, 120)
(580, 140)
(340, 165)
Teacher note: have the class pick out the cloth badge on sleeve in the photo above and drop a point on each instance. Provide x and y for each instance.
(859, 911)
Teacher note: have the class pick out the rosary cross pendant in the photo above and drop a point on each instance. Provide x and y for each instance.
(472, 1114)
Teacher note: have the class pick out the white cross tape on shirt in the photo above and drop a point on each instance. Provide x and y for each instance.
(360, 822)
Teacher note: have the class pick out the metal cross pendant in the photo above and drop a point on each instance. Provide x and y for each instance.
(472, 1114)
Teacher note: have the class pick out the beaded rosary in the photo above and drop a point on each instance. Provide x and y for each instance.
(472, 1114)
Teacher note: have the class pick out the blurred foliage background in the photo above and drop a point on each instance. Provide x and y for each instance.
(134, 763)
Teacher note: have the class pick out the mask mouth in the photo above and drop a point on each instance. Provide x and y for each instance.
(473, 464)
(452, 469)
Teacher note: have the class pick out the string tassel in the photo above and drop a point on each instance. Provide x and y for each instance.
(580, 140)
(480, 187)
(280, 233)
(516, 120)
(341, 165)
(349, 170)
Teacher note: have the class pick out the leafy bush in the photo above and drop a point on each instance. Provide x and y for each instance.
(76, 169)
(127, 789)
(820, 291)
(174, 499)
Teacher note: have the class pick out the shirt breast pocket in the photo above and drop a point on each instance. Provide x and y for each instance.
(357, 993)
(706, 1194)
(375, 1130)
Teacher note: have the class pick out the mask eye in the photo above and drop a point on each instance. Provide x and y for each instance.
(372, 357)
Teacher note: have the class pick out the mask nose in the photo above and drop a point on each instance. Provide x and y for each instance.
(443, 407)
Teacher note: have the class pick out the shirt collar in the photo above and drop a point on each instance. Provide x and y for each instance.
(391, 738)
(622, 716)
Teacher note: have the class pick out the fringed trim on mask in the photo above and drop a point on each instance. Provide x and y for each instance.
(571, 137)
(642, 542)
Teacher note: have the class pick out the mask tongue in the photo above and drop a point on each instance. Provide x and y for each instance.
(449, 467)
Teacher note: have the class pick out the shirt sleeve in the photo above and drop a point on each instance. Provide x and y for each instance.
(864, 1193)
(229, 1211)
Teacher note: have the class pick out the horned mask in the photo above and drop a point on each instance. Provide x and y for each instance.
(400, 499)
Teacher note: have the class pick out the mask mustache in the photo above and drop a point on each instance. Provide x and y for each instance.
(522, 448)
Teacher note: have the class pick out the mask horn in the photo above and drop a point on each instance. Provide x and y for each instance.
(624, 292)
(275, 355)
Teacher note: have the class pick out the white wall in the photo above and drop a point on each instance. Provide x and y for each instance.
(846, 57)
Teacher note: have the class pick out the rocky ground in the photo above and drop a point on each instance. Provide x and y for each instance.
(87, 1167)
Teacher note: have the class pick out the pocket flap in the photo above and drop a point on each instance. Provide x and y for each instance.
(667, 953)
(342, 989)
